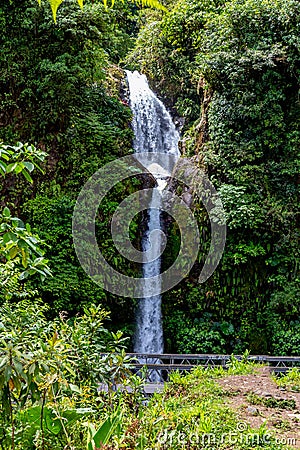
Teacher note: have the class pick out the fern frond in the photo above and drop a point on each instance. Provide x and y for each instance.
(54, 6)
(151, 3)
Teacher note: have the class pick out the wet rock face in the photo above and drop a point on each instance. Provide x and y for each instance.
(187, 197)
(149, 180)
(124, 89)
(188, 169)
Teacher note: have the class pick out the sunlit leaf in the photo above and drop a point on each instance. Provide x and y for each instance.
(27, 176)
(29, 166)
(24, 258)
(6, 212)
(54, 6)
(2, 167)
(13, 252)
(19, 168)
(150, 3)
(11, 167)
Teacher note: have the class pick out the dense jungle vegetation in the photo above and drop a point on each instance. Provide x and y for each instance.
(230, 70)
(50, 397)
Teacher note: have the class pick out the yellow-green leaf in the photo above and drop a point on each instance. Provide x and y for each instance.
(54, 6)
(24, 258)
(151, 3)
(13, 252)
(154, 4)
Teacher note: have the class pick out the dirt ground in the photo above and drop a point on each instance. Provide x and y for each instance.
(284, 423)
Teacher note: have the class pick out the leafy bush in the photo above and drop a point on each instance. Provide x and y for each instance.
(286, 339)
(199, 335)
(289, 381)
(50, 372)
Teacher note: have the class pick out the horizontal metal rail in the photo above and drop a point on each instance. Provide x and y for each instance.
(164, 364)
(214, 357)
(171, 362)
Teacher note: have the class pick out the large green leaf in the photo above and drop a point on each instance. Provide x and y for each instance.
(106, 430)
(53, 422)
(32, 416)
(74, 414)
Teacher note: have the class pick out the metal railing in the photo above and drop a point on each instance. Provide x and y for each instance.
(166, 363)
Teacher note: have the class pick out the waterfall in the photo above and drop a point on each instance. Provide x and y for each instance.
(154, 132)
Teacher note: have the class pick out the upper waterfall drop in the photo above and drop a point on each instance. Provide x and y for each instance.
(155, 133)
(152, 124)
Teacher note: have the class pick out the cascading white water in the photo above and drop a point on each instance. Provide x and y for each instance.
(154, 132)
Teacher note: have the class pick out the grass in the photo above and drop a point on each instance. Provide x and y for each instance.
(192, 413)
(271, 402)
(290, 381)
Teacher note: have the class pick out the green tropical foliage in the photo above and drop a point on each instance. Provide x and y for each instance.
(59, 389)
(20, 159)
(49, 376)
(21, 253)
(64, 96)
(232, 70)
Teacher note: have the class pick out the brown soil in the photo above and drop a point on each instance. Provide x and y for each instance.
(284, 423)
